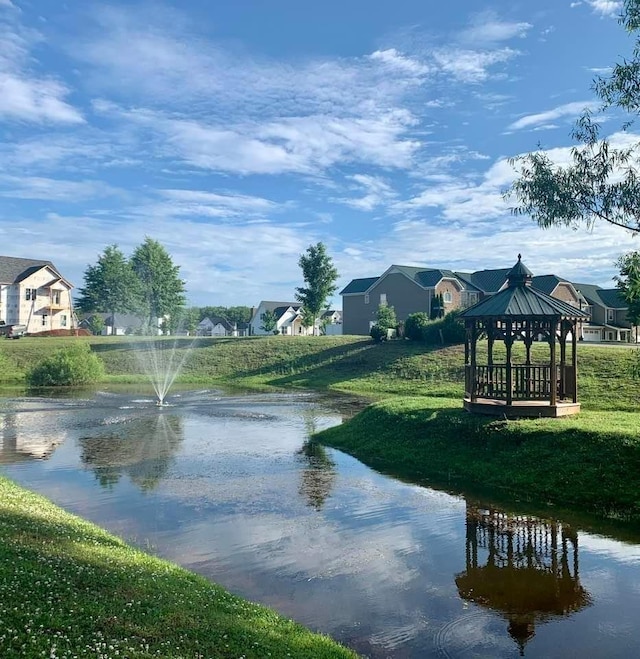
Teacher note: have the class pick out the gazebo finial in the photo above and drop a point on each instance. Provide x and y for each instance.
(519, 275)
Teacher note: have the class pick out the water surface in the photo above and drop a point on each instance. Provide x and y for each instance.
(232, 488)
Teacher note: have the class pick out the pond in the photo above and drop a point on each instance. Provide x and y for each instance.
(230, 487)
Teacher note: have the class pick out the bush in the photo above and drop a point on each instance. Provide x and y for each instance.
(69, 366)
(378, 334)
(415, 325)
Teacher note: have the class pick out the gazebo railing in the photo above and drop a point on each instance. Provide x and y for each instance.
(528, 382)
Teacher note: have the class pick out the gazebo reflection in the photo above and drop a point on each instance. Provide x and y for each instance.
(522, 567)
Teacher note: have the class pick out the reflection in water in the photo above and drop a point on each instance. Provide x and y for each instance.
(523, 567)
(318, 476)
(141, 448)
(19, 442)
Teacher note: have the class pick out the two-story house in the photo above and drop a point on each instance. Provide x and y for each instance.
(407, 289)
(34, 293)
(608, 312)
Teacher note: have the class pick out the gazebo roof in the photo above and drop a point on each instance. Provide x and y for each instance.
(519, 300)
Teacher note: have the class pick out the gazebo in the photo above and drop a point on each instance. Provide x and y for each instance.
(520, 312)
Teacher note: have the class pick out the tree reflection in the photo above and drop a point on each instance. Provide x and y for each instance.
(318, 475)
(142, 449)
(523, 567)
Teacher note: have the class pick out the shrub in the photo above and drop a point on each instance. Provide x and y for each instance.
(415, 325)
(447, 330)
(69, 366)
(378, 334)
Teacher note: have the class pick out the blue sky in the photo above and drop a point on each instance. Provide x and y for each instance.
(238, 133)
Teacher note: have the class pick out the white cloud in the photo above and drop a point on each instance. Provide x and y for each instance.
(486, 29)
(48, 189)
(567, 110)
(605, 7)
(24, 95)
(394, 60)
(470, 66)
(377, 193)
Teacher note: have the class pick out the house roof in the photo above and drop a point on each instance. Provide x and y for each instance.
(521, 300)
(13, 270)
(359, 285)
(424, 277)
(487, 281)
(605, 297)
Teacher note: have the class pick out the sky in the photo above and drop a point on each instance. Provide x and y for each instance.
(239, 133)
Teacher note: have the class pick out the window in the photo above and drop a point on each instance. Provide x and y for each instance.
(366, 298)
(63, 321)
(611, 314)
(447, 298)
(383, 298)
(44, 319)
(31, 294)
(56, 297)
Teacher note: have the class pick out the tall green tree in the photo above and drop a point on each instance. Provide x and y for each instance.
(110, 286)
(320, 277)
(628, 283)
(601, 183)
(162, 290)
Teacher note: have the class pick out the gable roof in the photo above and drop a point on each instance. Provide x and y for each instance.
(605, 297)
(359, 285)
(487, 281)
(277, 307)
(13, 270)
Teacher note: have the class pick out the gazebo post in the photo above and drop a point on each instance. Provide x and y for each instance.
(553, 394)
(563, 360)
(574, 359)
(474, 339)
(490, 339)
(528, 340)
(508, 339)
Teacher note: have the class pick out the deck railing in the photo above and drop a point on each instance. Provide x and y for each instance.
(527, 382)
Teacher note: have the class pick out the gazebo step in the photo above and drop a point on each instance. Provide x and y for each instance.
(518, 409)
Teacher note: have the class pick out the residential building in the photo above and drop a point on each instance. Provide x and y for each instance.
(408, 290)
(288, 318)
(34, 293)
(215, 326)
(608, 315)
(413, 289)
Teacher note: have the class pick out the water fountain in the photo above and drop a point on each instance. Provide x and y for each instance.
(162, 360)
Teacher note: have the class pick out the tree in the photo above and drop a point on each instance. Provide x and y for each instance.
(162, 290)
(628, 283)
(110, 286)
(96, 324)
(320, 276)
(601, 182)
(437, 306)
(269, 321)
(385, 320)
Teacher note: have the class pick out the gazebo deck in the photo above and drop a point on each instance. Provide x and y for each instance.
(520, 408)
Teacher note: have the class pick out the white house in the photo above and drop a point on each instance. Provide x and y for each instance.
(216, 326)
(289, 320)
(34, 293)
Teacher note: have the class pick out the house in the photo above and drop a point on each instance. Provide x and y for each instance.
(331, 322)
(608, 315)
(34, 293)
(408, 290)
(124, 324)
(215, 326)
(288, 319)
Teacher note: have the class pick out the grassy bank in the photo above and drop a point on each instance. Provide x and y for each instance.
(590, 462)
(352, 364)
(69, 589)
